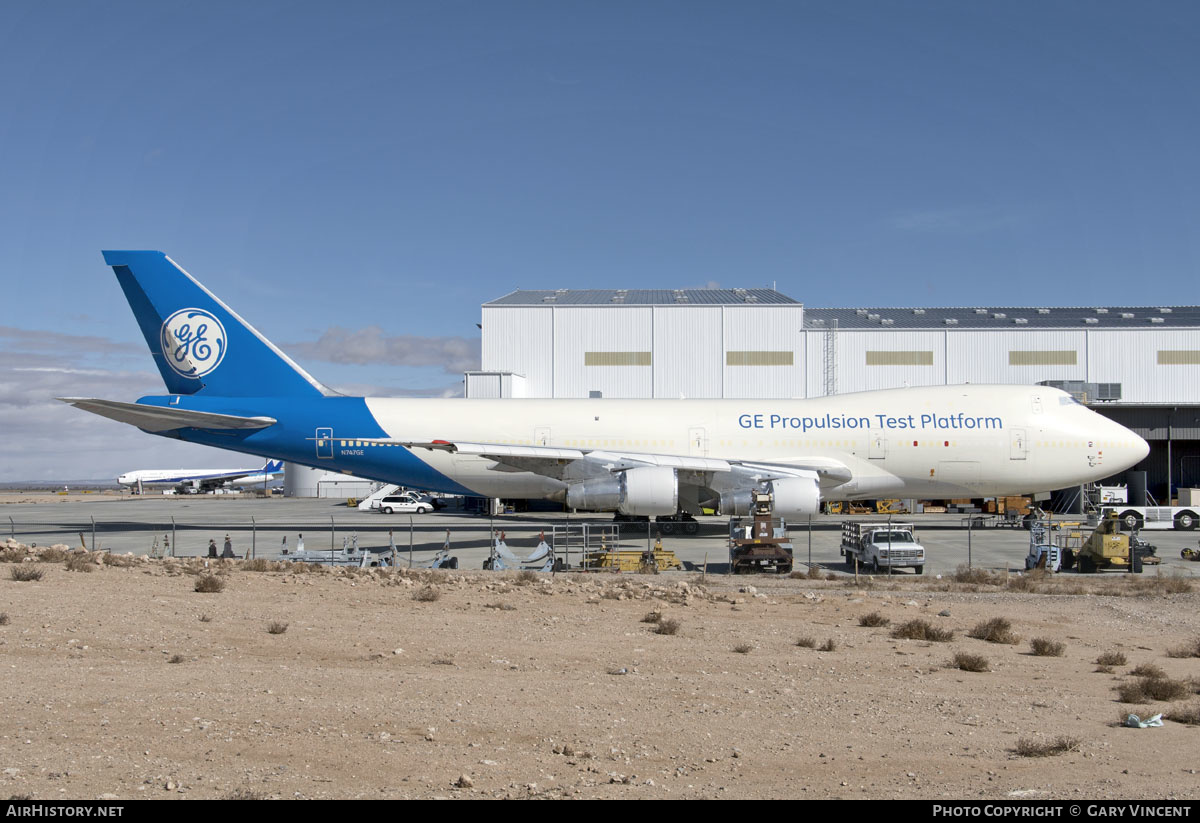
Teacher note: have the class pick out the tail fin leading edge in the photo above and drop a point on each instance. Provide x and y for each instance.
(199, 343)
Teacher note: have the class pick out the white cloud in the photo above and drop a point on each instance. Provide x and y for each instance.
(367, 346)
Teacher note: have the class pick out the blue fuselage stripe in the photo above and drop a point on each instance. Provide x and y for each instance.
(293, 438)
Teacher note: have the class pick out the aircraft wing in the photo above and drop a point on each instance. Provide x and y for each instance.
(565, 463)
(165, 418)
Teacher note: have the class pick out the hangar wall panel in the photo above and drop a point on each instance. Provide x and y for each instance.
(1132, 359)
(606, 349)
(869, 360)
(520, 339)
(763, 334)
(988, 356)
(687, 349)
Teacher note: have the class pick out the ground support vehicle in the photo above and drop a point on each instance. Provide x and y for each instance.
(882, 546)
(1107, 547)
(759, 543)
(1136, 518)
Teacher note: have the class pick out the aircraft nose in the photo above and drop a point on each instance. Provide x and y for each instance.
(1131, 448)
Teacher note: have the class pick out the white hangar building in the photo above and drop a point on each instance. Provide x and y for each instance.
(1138, 365)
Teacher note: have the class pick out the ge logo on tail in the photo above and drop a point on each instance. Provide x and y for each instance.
(193, 342)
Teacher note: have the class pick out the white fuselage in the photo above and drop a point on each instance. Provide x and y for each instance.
(934, 442)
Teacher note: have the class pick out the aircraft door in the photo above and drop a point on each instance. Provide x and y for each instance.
(697, 441)
(1018, 445)
(325, 443)
(878, 447)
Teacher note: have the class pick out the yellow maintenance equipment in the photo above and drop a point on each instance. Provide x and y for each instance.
(1107, 547)
(626, 560)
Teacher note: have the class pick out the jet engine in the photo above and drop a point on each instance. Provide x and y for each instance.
(736, 503)
(647, 491)
(796, 496)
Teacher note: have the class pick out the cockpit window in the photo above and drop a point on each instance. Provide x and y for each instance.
(1068, 400)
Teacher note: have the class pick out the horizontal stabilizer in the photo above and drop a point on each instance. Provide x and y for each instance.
(161, 419)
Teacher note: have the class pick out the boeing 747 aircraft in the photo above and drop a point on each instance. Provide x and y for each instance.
(229, 387)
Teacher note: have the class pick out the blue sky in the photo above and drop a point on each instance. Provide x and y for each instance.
(374, 171)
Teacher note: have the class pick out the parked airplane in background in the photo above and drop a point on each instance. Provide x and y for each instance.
(201, 480)
(230, 387)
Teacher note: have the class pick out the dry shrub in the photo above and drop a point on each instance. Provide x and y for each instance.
(743, 648)
(970, 662)
(259, 564)
(1189, 649)
(79, 562)
(1045, 647)
(668, 625)
(1103, 669)
(52, 555)
(1145, 689)
(427, 594)
(300, 567)
(1029, 582)
(204, 618)
(3, 618)
(176, 658)
(1048, 748)
(815, 573)
(526, 577)
(1176, 583)
(501, 607)
(967, 574)
(652, 617)
(828, 646)
(1148, 670)
(276, 627)
(209, 584)
(996, 630)
(922, 630)
(1111, 659)
(1186, 714)
(121, 560)
(25, 573)
(807, 643)
(873, 620)
(12, 555)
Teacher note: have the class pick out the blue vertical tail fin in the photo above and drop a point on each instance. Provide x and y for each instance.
(199, 344)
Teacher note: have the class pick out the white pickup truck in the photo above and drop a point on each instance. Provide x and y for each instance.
(882, 546)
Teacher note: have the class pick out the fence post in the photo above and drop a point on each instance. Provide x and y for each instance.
(332, 536)
(970, 523)
(253, 536)
(810, 541)
(12, 529)
(93, 534)
(174, 539)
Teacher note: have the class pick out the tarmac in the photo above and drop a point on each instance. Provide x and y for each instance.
(184, 525)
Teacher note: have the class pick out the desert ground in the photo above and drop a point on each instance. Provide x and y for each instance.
(122, 680)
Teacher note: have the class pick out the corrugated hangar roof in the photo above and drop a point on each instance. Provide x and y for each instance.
(872, 318)
(1108, 317)
(642, 297)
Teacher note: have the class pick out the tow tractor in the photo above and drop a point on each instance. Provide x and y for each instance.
(759, 543)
